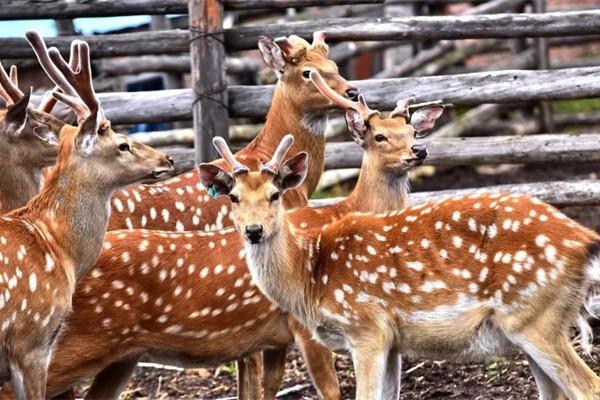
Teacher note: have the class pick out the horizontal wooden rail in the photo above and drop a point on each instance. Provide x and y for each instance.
(465, 89)
(337, 29)
(555, 148)
(561, 193)
(41, 9)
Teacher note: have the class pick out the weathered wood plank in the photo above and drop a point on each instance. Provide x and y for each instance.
(464, 89)
(40, 9)
(560, 193)
(554, 148)
(337, 29)
(209, 85)
(427, 28)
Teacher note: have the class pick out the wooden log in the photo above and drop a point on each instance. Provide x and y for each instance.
(427, 28)
(41, 9)
(465, 89)
(426, 56)
(471, 120)
(343, 29)
(554, 148)
(558, 193)
(175, 64)
(209, 85)
(185, 137)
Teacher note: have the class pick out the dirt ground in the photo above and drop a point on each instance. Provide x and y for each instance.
(422, 379)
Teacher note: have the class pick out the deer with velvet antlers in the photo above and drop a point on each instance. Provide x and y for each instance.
(28, 139)
(188, 296)
(47, 245)
(469, 277)
(181, 203)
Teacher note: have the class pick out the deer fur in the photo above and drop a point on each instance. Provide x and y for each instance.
(467, 277)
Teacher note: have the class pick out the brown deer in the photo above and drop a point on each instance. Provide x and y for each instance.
(469, 277)
(29, 142)
(186, 297)
(297, 107)
(47, 245)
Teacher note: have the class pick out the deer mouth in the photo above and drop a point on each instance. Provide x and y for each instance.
(162, 173)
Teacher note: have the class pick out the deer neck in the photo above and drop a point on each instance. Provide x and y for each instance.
(308, 129)
(377, 190)
(282, 267)
(71, 213)
(18, 185)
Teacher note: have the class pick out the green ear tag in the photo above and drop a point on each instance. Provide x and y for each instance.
(212, 191)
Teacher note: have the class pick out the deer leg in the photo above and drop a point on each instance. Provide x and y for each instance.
(557, 358)
(249, 377)
(548, 390)
(370, 357)
(29, 374)
(274, 368)
(393, 371)
(110, 382)
(319, 361)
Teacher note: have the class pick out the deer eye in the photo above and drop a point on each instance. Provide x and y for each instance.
(306, 74)
(234, 199)
(274, 197)
(380, 138)
(124, 147)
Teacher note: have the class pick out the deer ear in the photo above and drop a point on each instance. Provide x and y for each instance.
(293, 172)
(88, 133)
(271, 54)
(45, 127)
(424, 119)
(16, 116)
(216, 180)
(356, 126)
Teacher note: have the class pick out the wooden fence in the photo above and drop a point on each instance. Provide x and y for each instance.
(210, 102)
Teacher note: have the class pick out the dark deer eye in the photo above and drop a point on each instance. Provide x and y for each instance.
(306, 74)
(124, 147)
(274, 197)
(234, 198)
(380, 138)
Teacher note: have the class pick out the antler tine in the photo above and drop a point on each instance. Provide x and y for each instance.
(361, 106)
(8, 85)
(48, 102)
(223, 149)
(402, 108)
(42, 53)
(84, 76)
(318, 37)
(273, 165)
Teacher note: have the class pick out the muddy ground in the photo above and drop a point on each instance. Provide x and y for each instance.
(422, 379)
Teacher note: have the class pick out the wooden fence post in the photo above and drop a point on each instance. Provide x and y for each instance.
(543, 62)
(208, 76)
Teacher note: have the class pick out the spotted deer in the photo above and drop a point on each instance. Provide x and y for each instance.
(186, 297)
(468, 277)
(28, 139)
(297, 107)
(48, 244)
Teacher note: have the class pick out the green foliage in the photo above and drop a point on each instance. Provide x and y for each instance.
(575, 106)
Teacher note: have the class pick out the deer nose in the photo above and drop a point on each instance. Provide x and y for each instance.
(170, 160)
(352, 93)
(420, 151)
(254, 233)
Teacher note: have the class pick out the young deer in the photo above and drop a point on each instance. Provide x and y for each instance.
(464, 277)
(29, 142)
(47, 245)
(297, 107)
(155, 277)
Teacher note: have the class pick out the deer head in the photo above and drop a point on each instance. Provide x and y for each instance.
(390, 143)
(28, 136)
(93, 148)
(293, 59)
(255, 195)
